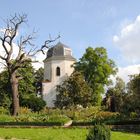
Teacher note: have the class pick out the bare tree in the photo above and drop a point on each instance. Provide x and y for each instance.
(8, 38)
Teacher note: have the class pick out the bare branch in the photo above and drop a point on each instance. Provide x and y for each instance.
(3, 58)
(22, 43)
(3, 40)
(3, 64)
(44, 46)
(10, 33)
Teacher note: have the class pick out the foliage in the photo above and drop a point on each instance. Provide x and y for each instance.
(134, 85)
(24, 110)
(78, 115)
(83, 115)
(9, 37)
(27, 88)
(99, 132)
(26, 84)
(6, 118)
(133, 115)
(23, 55)
(131, 104)
(4, 111)
(73, 91)
(96, 68)
(114, 96)
(5, 97)
(104, 116)
(132, 98)
(34, 103)
(39, 75)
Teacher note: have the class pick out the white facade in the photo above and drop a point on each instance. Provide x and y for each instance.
(57, 67)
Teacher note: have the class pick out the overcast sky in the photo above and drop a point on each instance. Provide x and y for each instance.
(113, 24)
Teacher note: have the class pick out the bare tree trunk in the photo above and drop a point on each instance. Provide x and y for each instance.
(7, 40)
(15, 94)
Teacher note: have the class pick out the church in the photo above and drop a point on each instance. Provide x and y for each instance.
(57, 68)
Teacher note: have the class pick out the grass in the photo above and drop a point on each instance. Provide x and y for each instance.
(124, 136)
(57, 134)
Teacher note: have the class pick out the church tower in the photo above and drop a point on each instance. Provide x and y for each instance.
(57, 67)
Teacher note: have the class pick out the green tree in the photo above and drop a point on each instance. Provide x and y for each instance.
(27, 82)
(99, 132)
(114, 96)
(39, 76)
(27, 88)
(133, 85)
(9, 38)
(73, 91)
(96, 68)
(132, 98)
(34, 103)
(5, 98)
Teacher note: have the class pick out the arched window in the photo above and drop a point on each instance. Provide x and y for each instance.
(58, 71)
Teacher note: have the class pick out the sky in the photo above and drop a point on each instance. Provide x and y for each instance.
(113, 24)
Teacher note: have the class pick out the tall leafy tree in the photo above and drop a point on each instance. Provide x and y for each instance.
(27, 88)
(133, 85)
(5, 97)
(132, 98)
(74, 91)
(39, 76)
(115, 95)
(96, 68)
(27, 82)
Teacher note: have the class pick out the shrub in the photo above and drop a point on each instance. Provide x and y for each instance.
(99, 132)
(133, 115)
(82, 114)
(24, 110)
(105, 116)
(34, 103)
(4, 111)
(6, 118)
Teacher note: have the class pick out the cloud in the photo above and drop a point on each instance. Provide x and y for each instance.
(125, 72)
(2, 53)
(128, 41)
(39, 56)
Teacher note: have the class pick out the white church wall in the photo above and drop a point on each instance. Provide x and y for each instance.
(49, 88)
(49, 93)
(57, 67)
(68, 67)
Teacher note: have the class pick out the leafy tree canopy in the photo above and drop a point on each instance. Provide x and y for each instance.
(74, 91)
(132, 98)
(114, 96)
(27, 86)
(5, 97)
(96, 68)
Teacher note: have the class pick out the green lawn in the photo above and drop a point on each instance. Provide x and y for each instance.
(57, 134)
(124, 136)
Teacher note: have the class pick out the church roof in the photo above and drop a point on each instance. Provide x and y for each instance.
(59, 49)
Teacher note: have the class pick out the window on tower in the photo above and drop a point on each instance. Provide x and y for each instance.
(58, 71)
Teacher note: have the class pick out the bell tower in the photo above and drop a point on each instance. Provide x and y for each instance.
(57, 67)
